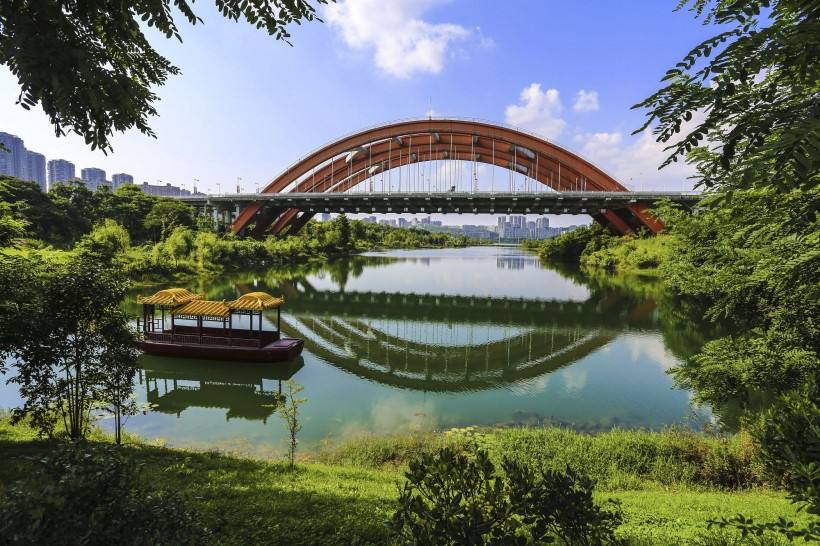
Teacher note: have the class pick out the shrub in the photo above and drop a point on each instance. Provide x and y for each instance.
(91, 495)
(457, 497)
(571, 245)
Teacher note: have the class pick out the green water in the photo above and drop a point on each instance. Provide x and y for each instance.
(428, 340)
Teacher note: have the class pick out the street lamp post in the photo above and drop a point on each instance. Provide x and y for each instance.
(238, 180)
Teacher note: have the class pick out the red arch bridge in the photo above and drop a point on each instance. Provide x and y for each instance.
(434, 166)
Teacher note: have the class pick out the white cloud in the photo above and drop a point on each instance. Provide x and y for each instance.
(403, 43)
(634, 162)
(600, 145)
(537, 111)
(574, 380)
(631, 160)
(586, 101)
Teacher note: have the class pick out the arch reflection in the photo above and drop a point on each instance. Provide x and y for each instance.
(456, 343)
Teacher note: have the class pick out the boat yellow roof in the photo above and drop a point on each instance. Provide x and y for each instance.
(255, 301)
(170, 297)
(203, 308)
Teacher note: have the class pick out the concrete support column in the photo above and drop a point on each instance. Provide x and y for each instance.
(215, 214)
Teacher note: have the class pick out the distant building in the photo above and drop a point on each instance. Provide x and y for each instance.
(59, 171)
(164, 191)
(478, 232)
(387, 222)
(93, 177)
(36, 167)
(121, 179)
(14, 158)
(404, 222)
(518, 228)
(369, 219)
(325, 217)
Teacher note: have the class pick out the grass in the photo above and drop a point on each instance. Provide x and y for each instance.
(618, 459)
(344, 494)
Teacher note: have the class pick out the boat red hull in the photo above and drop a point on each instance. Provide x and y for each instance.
(277, 351)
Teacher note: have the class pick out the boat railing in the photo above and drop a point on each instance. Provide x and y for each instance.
(215, 340)
(204, 340)
(153, 336)
(233, 342)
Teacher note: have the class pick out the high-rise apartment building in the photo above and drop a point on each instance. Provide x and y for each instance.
(120, 179)
(36, 169)
(59, 171)
(93, 177)
(13, 158)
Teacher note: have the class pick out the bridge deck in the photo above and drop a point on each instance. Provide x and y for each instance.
(446, 202)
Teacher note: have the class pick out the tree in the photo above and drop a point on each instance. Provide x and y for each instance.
(750, 255)
(289, 410)
(343, 226)
(11, 227)
(78, 207)
(755, 101)
(93, 70)
(107, 238)
(166, 215)
(130, 206)
(69, 342)
(180, 243)
(28, 203)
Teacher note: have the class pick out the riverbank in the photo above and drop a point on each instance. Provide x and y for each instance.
(187, 253)
(670, 483)
(594, 249)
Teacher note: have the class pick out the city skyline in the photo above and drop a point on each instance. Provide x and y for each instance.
(19, 161)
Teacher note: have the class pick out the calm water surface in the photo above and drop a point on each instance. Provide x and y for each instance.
(429, 339)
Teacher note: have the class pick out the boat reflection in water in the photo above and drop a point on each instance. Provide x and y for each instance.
(249, 391)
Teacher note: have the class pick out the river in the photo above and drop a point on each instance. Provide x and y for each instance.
(417, 340)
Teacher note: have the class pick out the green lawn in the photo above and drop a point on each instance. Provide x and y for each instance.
(261, 502)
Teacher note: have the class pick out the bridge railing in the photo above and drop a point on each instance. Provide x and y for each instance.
(645, 194)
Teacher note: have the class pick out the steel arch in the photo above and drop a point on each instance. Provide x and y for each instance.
(348, 161)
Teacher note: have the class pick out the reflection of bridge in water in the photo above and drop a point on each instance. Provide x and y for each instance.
(174, 385)
(454, 343)
(602, 310)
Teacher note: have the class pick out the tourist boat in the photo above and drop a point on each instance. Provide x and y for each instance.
(220, 341)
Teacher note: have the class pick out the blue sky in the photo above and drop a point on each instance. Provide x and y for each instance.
(247, 106)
